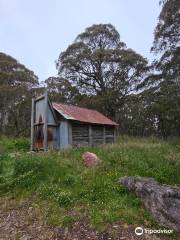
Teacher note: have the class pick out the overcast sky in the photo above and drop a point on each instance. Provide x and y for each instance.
(36, 31)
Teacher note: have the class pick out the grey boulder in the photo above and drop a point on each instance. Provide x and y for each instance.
(161, 200)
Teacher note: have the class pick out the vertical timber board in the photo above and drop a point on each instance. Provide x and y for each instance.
(80, 134)
(104, 134)
(45, 120)
(70, 133)
(58, 136)
(90, 135)
(109, 134)
(114, 134)
(32, 125)
(97, 135)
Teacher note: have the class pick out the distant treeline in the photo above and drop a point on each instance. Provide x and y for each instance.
(98, 71)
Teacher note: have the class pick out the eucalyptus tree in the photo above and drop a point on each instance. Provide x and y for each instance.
(100, 65)
(167, 65)
(16, 83)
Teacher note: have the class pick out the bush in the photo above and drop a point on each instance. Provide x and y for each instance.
(30, 171)
(18, 144)
(22, 144)
(25, 164)
(1, 164)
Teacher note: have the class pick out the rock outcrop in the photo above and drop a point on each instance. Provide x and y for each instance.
(161, 200)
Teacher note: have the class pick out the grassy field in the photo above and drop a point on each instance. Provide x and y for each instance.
(63, 189)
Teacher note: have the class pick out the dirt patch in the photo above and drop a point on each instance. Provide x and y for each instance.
(21, 222)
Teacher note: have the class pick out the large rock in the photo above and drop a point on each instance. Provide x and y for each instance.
(161, 200)
(90, 159)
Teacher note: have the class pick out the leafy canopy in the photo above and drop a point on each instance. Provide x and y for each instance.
(98, 61)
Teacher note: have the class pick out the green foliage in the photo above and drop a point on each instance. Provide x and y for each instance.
(68, 221)
(1, 163)
(55, 193)
(167, 30)
(61, 90)
(17, 144)
(16, 83)
(102, 68)
(24, 165)
(59, 182)
(22, 144)
(162, 87)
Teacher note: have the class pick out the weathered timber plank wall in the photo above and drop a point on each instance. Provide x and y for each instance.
(109, 134)
(97, 135)
(92, 135)
(80, 134)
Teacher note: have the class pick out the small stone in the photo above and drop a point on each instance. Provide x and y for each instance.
(115, 226)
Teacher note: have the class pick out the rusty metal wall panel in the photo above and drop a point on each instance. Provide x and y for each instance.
(40, 112)
(39, 131)
(38, 137)
(52, 138)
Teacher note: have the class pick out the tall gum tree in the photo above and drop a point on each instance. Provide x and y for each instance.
(101, 66)
(16, 84)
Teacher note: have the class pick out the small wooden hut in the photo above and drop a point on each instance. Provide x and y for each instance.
(57, 126)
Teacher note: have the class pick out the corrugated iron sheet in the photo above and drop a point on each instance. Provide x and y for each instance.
(82, 114)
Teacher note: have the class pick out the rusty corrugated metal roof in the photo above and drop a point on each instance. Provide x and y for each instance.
(82, 114)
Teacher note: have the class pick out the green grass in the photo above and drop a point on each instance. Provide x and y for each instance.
(64, 190)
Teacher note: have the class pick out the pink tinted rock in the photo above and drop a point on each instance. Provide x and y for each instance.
(90, 159)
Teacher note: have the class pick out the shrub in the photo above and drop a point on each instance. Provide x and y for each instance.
(1, 164)
(25, 164)
(22, 144)
(11, 144)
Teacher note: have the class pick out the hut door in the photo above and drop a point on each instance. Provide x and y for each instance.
(39, 136)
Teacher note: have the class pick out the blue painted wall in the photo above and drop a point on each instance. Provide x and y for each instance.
(50, 116)
(63, 133)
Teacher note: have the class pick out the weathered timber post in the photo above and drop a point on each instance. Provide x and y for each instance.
(114, 134)
(32, 124)
(104, 134)
(90, 136)
(70, 134)
(45, 120)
